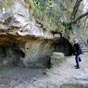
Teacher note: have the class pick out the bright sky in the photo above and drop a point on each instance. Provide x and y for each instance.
(85, 2)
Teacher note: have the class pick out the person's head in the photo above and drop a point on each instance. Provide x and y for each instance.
(75, 40)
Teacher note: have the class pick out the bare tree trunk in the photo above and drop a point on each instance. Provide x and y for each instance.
(75, 9)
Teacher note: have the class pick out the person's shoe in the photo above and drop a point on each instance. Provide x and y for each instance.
(77, 68)
(75, 65)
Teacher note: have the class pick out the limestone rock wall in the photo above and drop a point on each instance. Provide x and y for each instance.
(30, 51)
(19, 21)
(26, 51)
(23, 41)
(37, 53)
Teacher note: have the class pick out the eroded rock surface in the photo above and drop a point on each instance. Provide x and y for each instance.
(23, 41)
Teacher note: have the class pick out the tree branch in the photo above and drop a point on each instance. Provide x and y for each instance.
(69, 25)
(80, 17)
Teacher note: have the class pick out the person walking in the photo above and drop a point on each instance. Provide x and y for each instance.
(77, 51)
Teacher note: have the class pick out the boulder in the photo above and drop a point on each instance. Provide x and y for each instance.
(57, 58)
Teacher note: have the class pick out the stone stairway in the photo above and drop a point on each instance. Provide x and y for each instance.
(84, 46)
(85, 49)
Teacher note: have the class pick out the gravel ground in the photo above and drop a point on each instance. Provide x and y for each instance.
(12, 77)
(45, 78)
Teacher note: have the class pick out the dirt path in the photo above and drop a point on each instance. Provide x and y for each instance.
(45, 78)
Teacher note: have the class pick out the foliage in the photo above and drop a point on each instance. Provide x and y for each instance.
(62, 28)
(39, 4)
(29, 4)
(56, 86)
(69, 10)
(6, 3)
(48, 14)
(67, 25)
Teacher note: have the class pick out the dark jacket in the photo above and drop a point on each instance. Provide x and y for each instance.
(77, 49)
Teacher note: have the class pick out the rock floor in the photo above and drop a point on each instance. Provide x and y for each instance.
(56, 77)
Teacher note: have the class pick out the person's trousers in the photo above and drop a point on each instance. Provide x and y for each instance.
(77, 59)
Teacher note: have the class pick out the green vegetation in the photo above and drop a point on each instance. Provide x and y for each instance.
(47, 13)
(56, 86)
(6, 3)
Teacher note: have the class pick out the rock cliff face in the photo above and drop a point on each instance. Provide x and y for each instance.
(23, 42)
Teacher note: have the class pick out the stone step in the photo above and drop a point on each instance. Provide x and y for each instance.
(85, 49)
